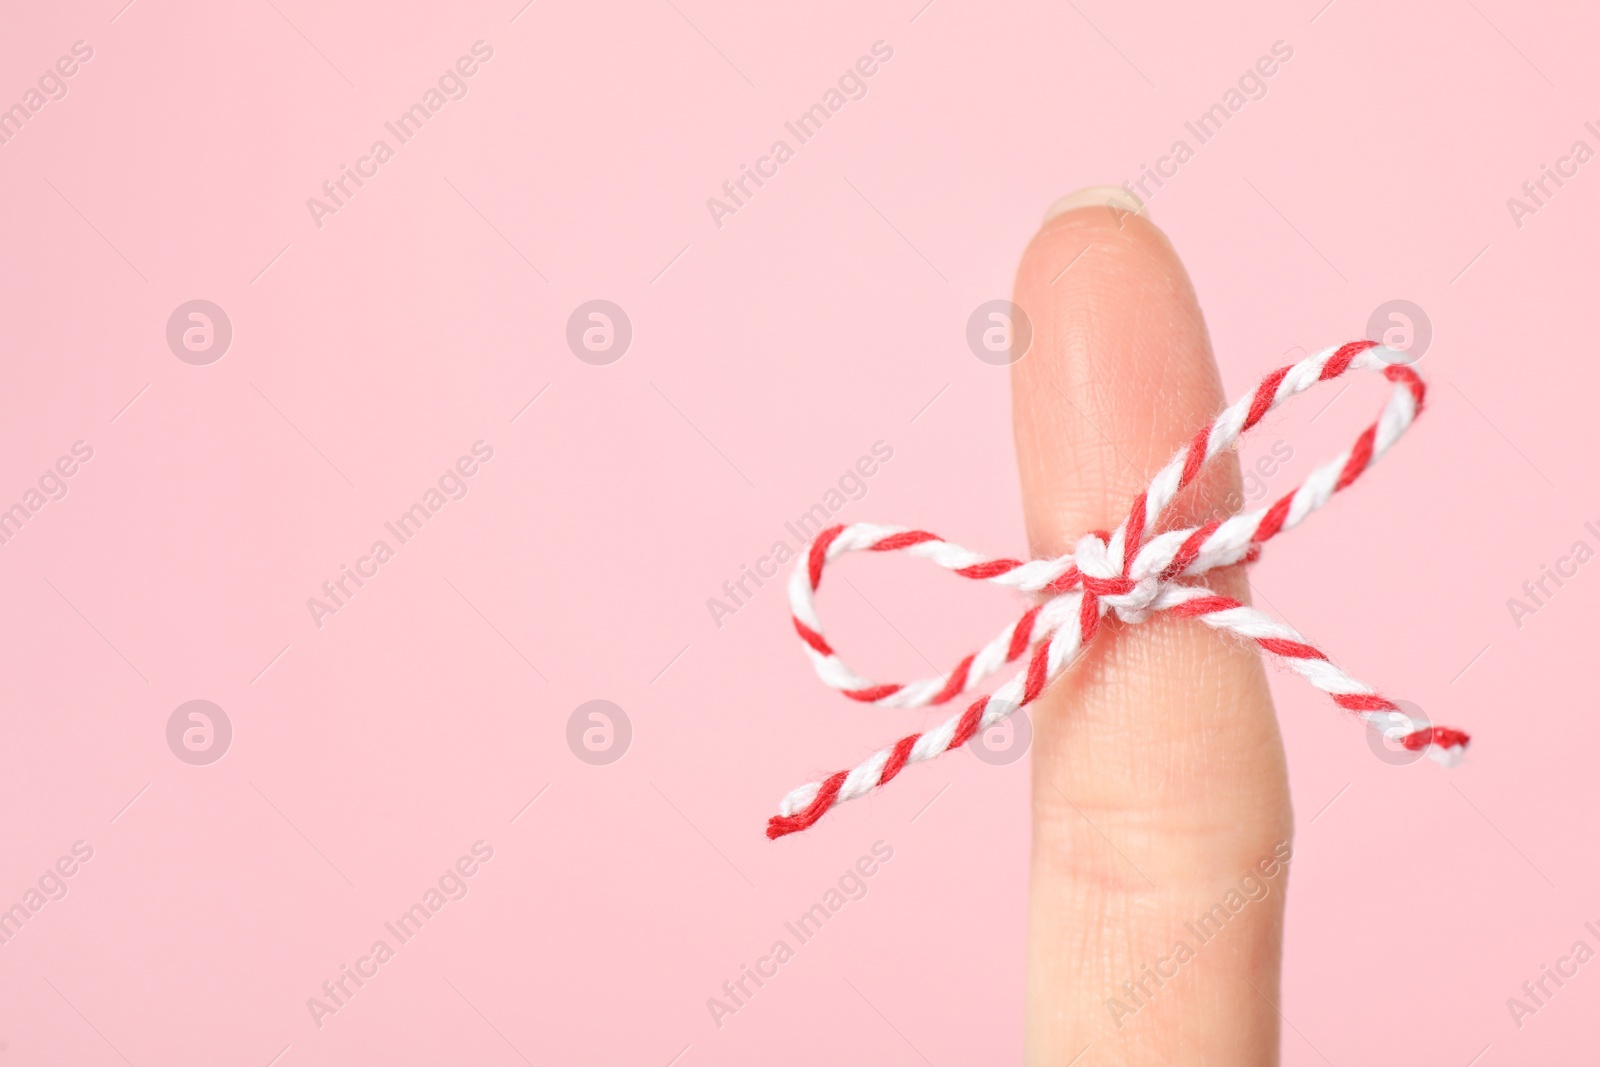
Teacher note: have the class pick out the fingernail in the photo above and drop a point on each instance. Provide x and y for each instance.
(1112, 196)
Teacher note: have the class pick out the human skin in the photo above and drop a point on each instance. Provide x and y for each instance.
(1158, 770)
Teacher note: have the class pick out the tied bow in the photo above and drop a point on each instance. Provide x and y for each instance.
(1134, 572)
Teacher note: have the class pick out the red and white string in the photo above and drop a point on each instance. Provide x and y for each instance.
(1134, 572)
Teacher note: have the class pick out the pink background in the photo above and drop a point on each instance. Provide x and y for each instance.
(768, 354)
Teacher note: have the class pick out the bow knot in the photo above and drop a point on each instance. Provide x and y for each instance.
(1106, 583)
(1134, 572)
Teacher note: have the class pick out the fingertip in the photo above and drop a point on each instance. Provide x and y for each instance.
(1113, 197)
(1057, 261)
(1120, 371)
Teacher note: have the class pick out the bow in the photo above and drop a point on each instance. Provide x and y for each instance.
(1134, 572)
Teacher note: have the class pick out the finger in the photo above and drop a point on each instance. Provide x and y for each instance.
(1158, 773)
(1119, 376)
